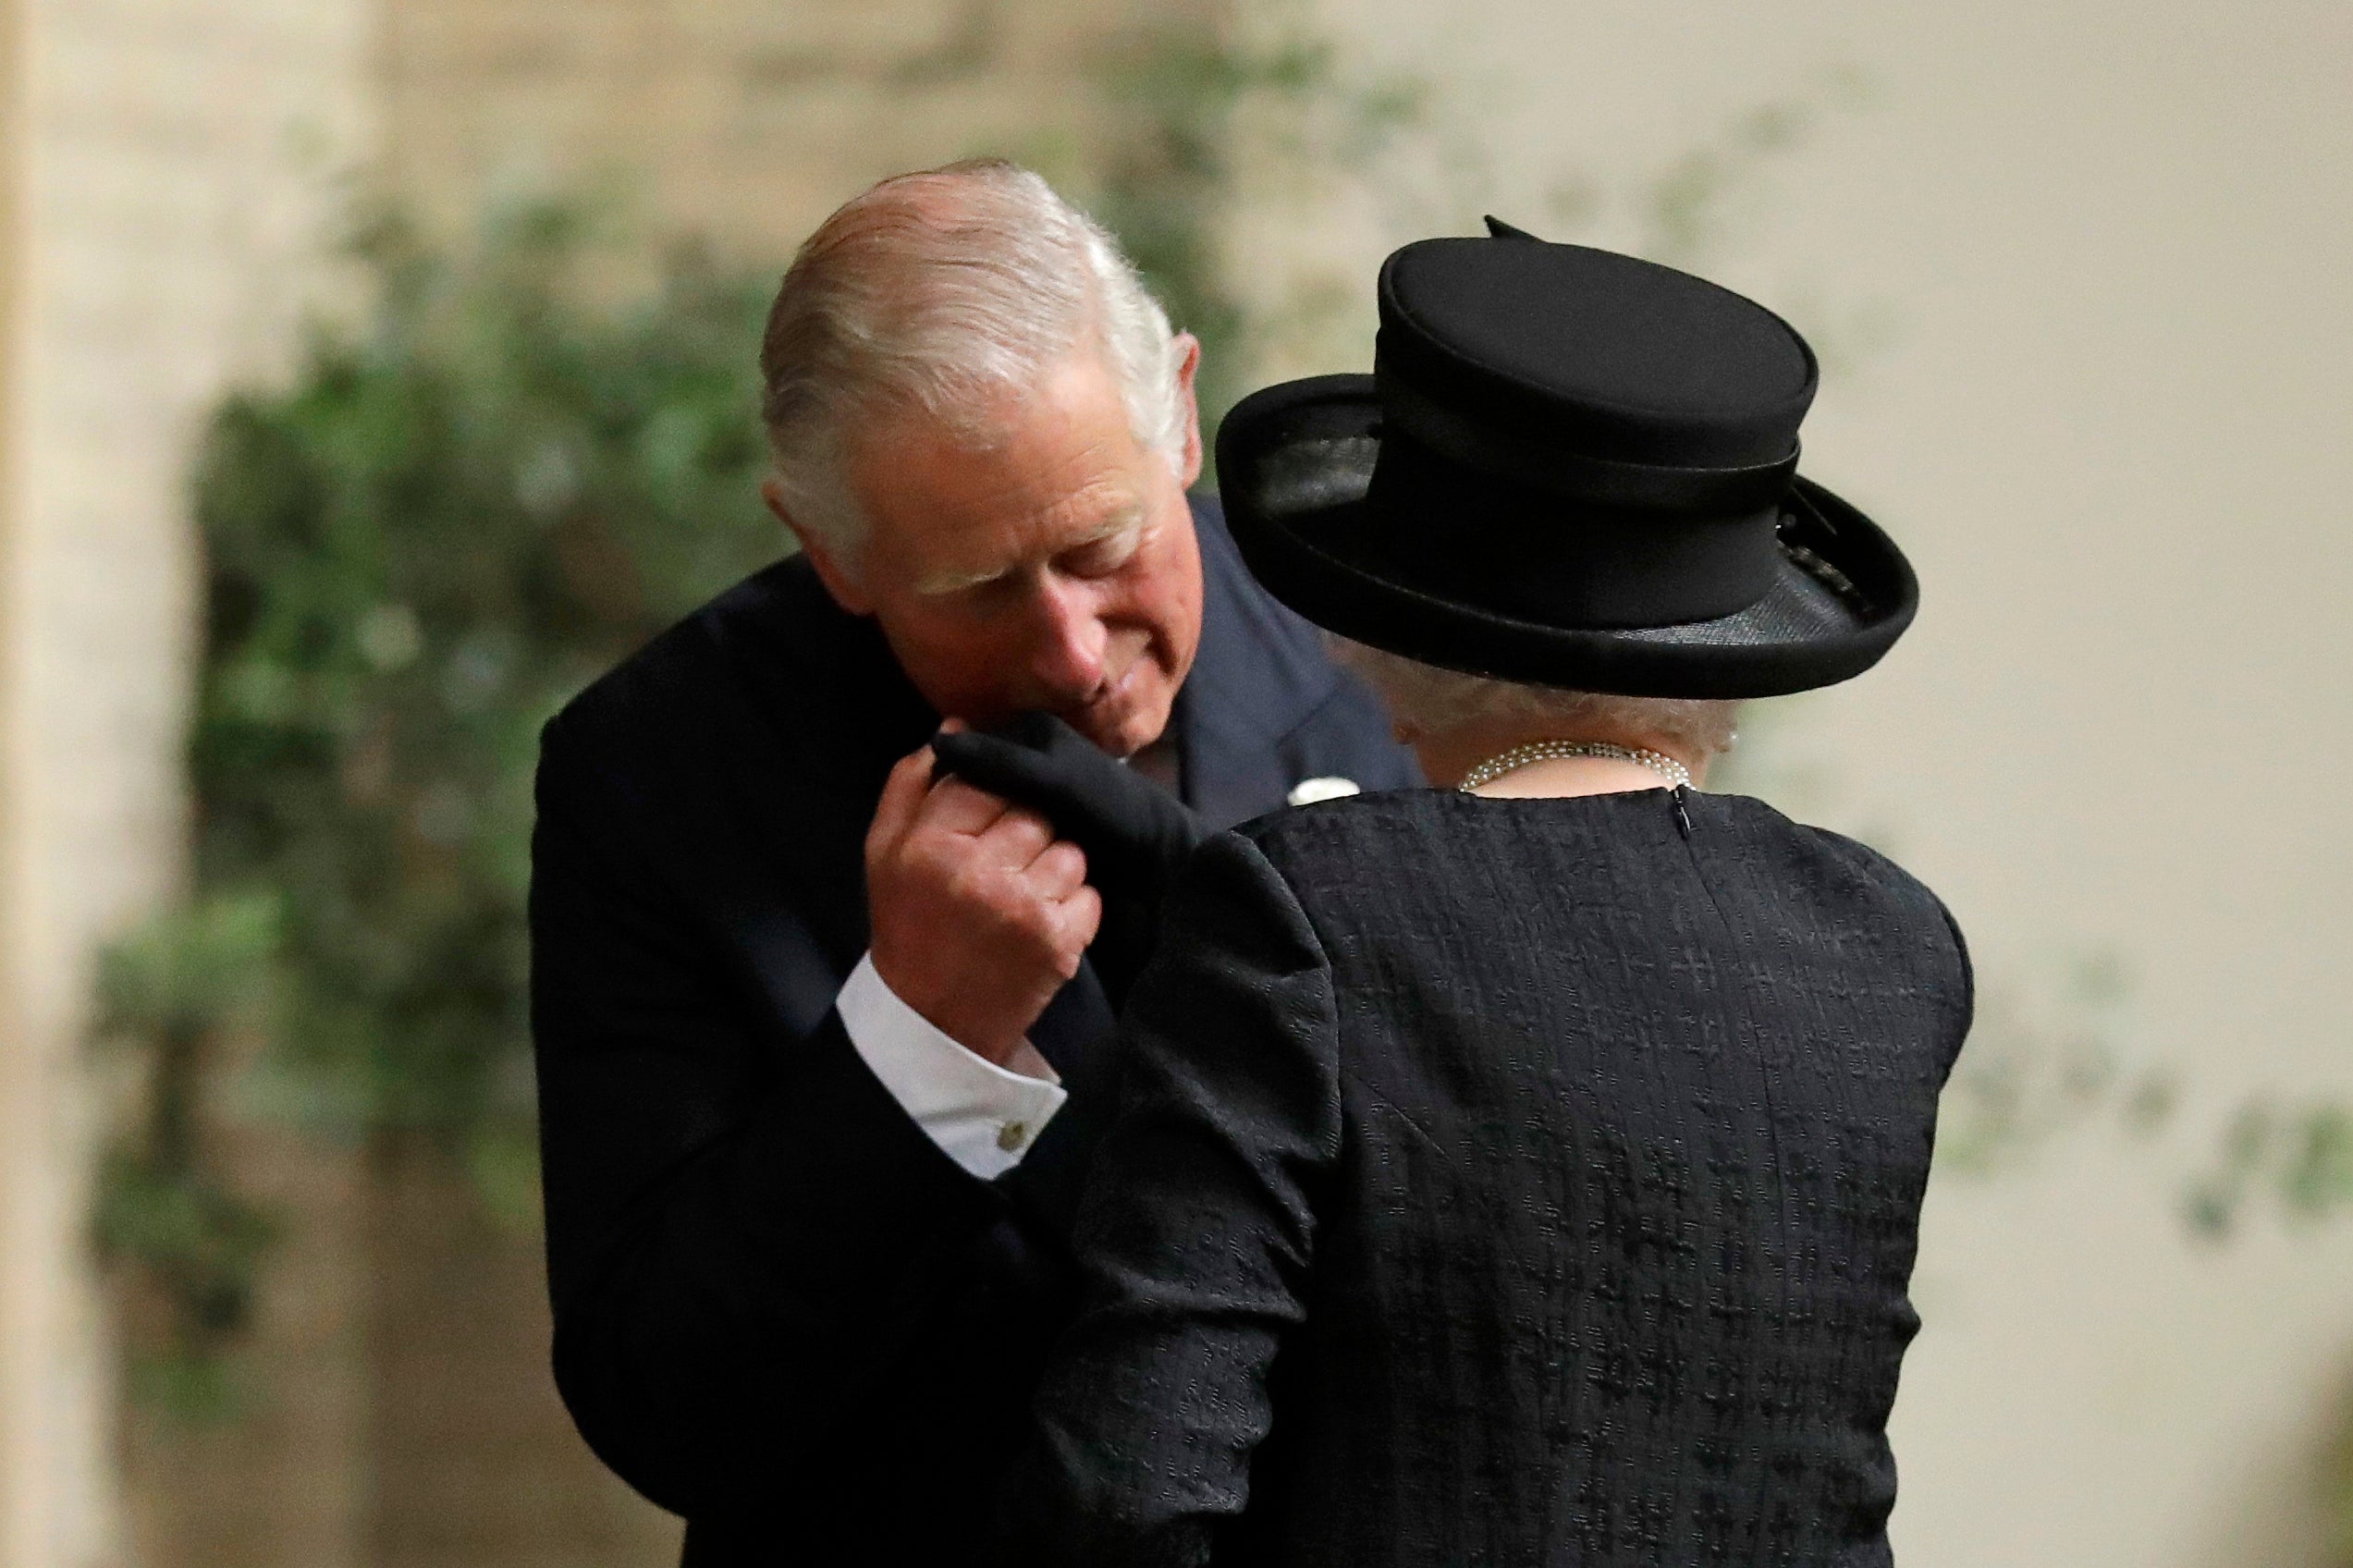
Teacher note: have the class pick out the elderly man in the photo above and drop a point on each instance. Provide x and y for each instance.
(807, 1012)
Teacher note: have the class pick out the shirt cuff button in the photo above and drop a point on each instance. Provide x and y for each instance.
(1013, 1135)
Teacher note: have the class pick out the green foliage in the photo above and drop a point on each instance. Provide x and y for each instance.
(2299, 1155)
(2043, 1059)
(191, 975)
(1162, 189)
(184, 988)
(1167, 188)
(417, 551)
(416, 554)
(2046, 1061)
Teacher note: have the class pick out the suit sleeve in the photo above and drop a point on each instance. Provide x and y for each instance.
(763, 1274)
(1195, 1235)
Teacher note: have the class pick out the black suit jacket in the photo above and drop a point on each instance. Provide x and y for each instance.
(1511, 1181)
(780, 1309)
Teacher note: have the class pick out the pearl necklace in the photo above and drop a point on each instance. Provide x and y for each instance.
(1495, 767)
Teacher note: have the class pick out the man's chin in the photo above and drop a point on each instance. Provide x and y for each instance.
(1122, 730)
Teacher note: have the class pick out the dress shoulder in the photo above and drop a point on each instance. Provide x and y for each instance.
(1403, 850)
(1904, 915)
(1335, 825)
(1904, 888)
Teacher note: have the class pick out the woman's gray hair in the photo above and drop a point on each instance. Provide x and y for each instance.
(938, 293)
(1431, 700)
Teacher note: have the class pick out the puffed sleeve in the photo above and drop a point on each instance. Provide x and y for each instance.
(1197, 1231)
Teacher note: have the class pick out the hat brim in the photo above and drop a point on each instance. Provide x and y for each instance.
(1294, 465)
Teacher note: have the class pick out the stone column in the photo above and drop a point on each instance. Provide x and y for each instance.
(163, 170)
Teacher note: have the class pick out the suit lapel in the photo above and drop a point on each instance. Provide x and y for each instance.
(1259, 675)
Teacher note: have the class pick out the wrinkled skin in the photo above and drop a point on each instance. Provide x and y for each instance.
(1052, 568)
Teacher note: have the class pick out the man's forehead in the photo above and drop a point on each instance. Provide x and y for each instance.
(1053, 468)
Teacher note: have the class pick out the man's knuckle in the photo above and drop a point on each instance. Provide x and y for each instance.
(967, 884)
(933, 855)
(1026, 909)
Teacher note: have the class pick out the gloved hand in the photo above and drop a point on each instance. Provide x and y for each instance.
(1135, 834)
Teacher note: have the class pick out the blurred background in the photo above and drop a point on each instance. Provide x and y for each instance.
(377, 371)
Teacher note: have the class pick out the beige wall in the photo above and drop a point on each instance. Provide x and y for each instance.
(164, 220)
(746, 120)
(2105, 245)
(26, 1242)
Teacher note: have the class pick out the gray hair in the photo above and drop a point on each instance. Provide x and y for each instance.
(1432, 700)
(938, 293)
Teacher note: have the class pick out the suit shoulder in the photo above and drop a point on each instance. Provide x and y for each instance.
(638, 692)
(672, 681)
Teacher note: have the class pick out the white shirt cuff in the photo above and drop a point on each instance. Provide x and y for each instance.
(984, 1117)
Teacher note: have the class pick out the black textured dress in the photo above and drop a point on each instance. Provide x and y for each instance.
(1507, 1182)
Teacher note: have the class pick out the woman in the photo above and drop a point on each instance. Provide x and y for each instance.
(1526, 1169)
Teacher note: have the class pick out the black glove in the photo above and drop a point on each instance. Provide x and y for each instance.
(1135, 834)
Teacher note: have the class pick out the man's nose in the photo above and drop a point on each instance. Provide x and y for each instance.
(1067, 658)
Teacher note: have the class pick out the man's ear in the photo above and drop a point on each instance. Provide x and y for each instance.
(1188, 367)
(838, 579)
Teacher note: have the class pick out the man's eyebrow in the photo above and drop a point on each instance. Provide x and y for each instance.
(1125, 519)
(949, 581)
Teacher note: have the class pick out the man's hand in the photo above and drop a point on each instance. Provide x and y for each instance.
(1135, 835)
(979, 913)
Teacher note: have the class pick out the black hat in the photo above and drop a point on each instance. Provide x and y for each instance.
(1570, 468)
